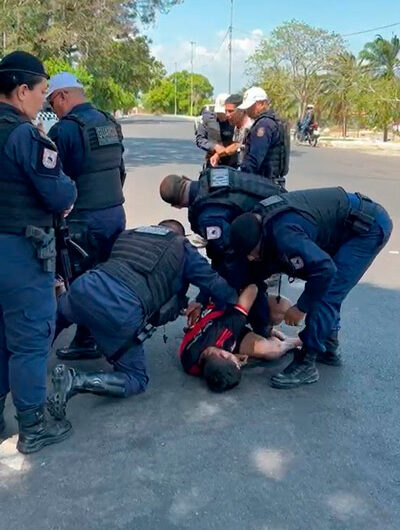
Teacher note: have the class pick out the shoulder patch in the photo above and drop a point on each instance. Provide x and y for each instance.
(49, 158)
(213, 232)
(260, 131)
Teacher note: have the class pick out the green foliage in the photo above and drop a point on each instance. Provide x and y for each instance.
(382, 56)
(161, 97)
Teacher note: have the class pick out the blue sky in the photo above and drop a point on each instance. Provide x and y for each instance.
(206, 21)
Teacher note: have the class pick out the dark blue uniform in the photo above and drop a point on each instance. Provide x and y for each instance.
(289, 242)
(105, 224)
(262, 138)
(114, 313)
(27, 301)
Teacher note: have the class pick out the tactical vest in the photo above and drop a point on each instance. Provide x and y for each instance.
(327, 208)
(230, 188)
(148, 260)
(99, 181)
(20, 203)
(278, 154)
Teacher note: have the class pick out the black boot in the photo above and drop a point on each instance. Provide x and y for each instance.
(67, 382)
(2, 422)
(301, 371)
(82, 347)
(332, 355)
(35, 431)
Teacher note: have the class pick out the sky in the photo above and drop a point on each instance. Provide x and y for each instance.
(205, 22)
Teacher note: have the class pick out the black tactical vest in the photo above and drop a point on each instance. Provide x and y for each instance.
(278, 154)
(327, 208)
(20, 204)
(148, 260)
(230, 188)
(99, 181)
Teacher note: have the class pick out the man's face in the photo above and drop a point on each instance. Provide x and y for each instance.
(59, 102)
(257, 108)
(213, 351)
(231, 112)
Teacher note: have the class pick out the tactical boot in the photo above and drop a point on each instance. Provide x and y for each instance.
(67, 382)
(301, 371)
(35, 431)
(2, 422)
(331, 356)
(82, 347)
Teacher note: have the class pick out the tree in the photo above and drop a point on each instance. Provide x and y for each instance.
(382, 56)
(299, 51)
(162, 96)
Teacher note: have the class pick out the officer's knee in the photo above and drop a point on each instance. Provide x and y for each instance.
(135, 384)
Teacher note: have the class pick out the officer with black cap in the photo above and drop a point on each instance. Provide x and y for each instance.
(144, 281)
(213, 202)
(90, 146)
(33, 188)
(328, 238)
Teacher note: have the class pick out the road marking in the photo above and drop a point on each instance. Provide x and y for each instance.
(394, 251)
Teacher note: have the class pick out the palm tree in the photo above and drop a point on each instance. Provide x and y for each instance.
(382, 56)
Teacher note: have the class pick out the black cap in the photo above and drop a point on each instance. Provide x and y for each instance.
(245, 233)
(21, 61)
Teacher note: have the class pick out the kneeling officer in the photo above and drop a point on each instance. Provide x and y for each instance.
(144, 281)
(327, 237)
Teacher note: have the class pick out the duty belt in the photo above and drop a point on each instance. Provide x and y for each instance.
(361, 219)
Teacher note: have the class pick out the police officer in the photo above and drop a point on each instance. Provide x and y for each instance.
(90, 146)
(267, 147)
(327, 237)
(33, 188)
(213, 202)
(215, 132)
(145, 280)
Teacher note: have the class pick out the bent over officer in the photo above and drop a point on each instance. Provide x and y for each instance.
(267, 146)
(328, 238)
(144, 281)
(32, 189)
(214, 201)
(90, 146)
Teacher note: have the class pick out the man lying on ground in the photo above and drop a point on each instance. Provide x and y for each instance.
(219, 343)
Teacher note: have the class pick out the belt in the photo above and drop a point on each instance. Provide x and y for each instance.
(362, 213)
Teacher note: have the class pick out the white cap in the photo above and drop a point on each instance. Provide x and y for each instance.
(251, 96)
(310, 106)
(220, 102)
(62, 80)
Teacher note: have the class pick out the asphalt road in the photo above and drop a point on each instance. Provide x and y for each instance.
(180, 457)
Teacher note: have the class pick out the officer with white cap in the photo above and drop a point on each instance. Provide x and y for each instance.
(214, 132)
(89, 142)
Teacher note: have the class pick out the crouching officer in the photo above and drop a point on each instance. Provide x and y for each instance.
(214, 201)
(144, 281)
(327, 237)
(90, 146)
(32, 189)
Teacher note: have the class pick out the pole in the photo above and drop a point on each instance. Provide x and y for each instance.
(230, 50)
(176, 107)
(191, 77)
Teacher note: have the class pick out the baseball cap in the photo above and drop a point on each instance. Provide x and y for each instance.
(220, 102)
(251, 96)
(20, 61)
(62, 80)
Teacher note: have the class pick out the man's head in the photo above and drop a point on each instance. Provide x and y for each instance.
(246, 235)
(23, 82)
(221, 369)
(173, 225)
(255, 101)
(175, 190)
(64, 93)
(234, 115)
(219, 107)
(310, 107)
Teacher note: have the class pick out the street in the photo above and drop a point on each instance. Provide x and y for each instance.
(322, 457)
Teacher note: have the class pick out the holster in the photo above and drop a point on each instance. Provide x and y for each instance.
(44, 241)
(360, 220)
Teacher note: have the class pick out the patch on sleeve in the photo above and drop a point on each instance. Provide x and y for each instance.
(213, 232)
(49, 158)
(297, 262)
(260, 131)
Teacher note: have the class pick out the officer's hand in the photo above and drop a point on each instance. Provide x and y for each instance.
(214, 160)
(294, 316)
(219, 149)
(193, 312)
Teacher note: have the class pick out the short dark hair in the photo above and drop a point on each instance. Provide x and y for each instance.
(234, 99)
(174, 225)
(221, 374)
(10, 80)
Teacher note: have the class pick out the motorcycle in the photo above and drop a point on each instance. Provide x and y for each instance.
(311, 135)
